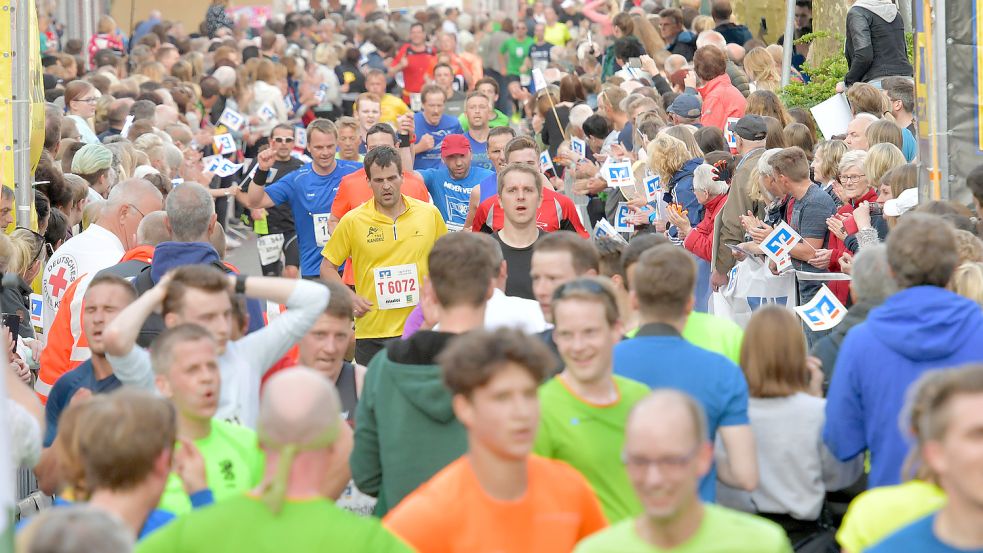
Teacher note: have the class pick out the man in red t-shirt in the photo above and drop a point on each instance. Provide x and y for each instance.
(414, 59)
(555, 212)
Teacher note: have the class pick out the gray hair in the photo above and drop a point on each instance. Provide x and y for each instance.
(77, 529)
(152, 230)
(853, 158)
(712, 38)
(189, 210)
(130, 191)
(173, 157)
(872, 280)
(764, 162)
(703, 180)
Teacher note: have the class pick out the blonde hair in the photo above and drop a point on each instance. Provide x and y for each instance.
(667, 154)
(683, 132)
(967, 281)
(24, 245)
(761, 70)
(6, 252)
(970, 247)
(703, 23)
(881, 158)
(106, 25)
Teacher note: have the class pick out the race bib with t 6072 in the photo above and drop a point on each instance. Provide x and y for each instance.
(397, 286)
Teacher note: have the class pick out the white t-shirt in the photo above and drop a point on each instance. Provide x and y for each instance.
(510, 312)
(87, 253)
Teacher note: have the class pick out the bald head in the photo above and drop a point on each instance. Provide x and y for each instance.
(153, 229)
(736, 53)
(190, 213)
(671, 409)
(674, 63)
(299, 407)
(138, 192)
(165, 115)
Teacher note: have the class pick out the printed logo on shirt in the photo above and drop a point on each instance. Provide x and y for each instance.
(374, 235)
(457, 208)
(226, 468)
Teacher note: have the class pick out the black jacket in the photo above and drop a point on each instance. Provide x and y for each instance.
(874, 47)
(16, 298)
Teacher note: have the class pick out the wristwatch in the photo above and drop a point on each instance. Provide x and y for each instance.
(241, 284)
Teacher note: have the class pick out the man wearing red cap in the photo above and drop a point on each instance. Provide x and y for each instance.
(450, 184)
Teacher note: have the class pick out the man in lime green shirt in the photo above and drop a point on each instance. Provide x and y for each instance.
(584, 409)
(703, 330)
(488, 87)
(666, 454)
(515, 50)
(185, 361)
(307, 442)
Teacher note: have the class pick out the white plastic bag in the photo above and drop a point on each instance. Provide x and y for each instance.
(750, 286)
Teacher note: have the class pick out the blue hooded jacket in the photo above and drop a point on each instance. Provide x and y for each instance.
(916, 330)
(171, 255)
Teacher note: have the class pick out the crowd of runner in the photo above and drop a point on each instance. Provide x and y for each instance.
(503, 303)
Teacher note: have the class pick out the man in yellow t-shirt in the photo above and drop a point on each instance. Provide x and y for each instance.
(392, 106)
(556, 32)
(388, 239)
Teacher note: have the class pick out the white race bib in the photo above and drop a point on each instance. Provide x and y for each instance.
(269, 247)
(416, 102)
(397, 286)
(321, 232)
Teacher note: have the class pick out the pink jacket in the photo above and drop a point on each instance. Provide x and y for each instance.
(720, 101)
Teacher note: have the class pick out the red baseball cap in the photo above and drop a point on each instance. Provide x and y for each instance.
(454, 144)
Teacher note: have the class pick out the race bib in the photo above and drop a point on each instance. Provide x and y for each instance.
(321, 233)
(269, 247)
(397, 286)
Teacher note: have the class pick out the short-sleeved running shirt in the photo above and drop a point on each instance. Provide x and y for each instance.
(245, 523)
(590, 437)
(375, 241)
(452, 196)
(233, 464)
(722, 530)
(310, 196)
(516, 51)
(452, 512)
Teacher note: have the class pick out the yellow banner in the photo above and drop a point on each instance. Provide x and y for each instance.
(36, 99)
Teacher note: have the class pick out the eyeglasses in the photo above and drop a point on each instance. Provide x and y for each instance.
(852, 178)
(43, 245)
(142, 214)
(88, 100)
(669, 463)
(283, 139)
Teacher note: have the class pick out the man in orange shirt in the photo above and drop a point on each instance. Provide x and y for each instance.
(354, 189)
(498, 497)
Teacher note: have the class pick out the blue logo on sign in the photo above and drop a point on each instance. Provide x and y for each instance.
(36, 307)
(386, 273)
(779, 242)
(823, 311)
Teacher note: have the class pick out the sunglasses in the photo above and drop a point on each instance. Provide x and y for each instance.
(41, 248)
(283, 139)
(582, 285)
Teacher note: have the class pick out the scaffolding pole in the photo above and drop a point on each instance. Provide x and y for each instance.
(20, 33)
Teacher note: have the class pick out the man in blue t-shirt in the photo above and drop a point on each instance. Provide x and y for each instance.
(451, 184)
(310, 191)
(949, 432)
(478, 110)
(662, 284)
(431, 126)
(105, 297)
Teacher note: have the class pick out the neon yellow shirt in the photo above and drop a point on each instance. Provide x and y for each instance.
(233, 464)
(374, 241)
(244, 523)
(590, 437)
(557, 34)
(878, 513)
(721, 531)
(711, 333)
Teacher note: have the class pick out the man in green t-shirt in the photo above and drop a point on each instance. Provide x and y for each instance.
(185, 362)
(584, 409)
(307, 443)
(666, 454)
(515, 50)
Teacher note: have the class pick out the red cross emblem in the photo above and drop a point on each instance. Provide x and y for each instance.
(58, 282)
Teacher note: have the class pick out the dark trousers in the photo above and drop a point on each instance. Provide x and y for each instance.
(367, 348)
